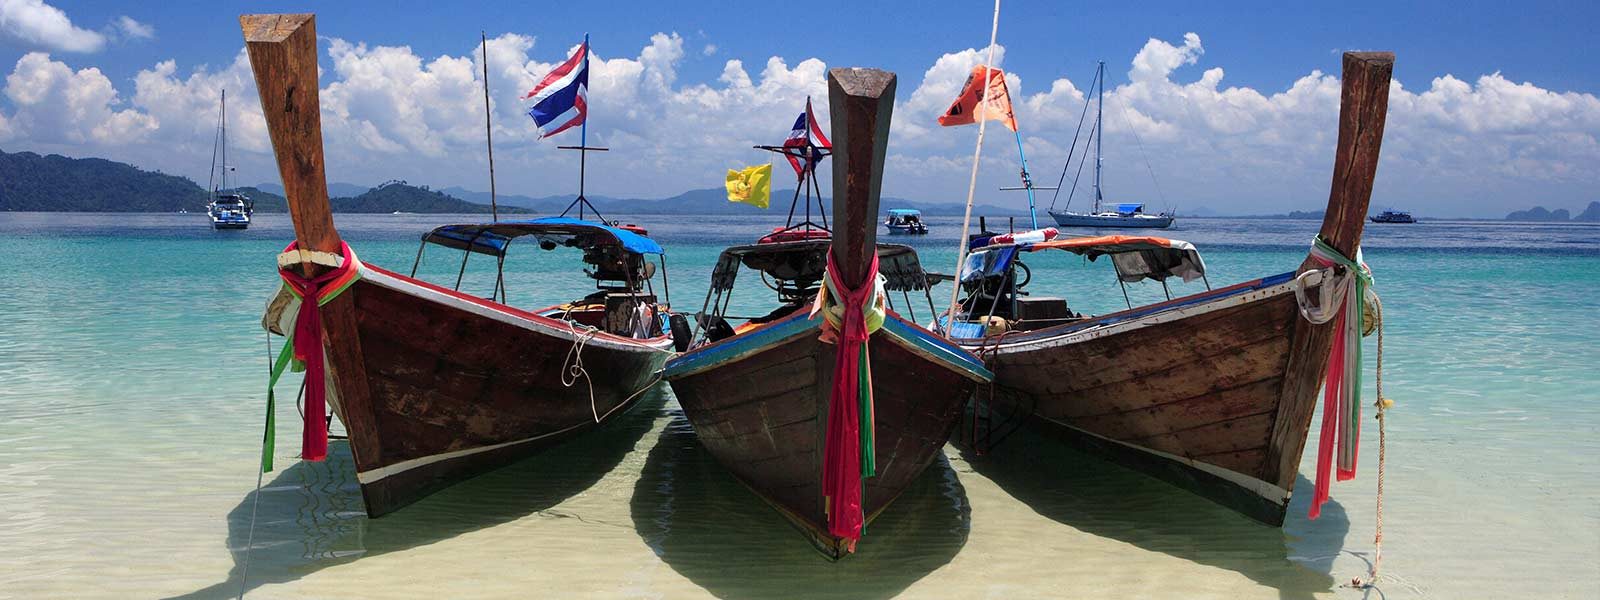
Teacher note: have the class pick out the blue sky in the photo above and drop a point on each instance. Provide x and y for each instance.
(1254, 137)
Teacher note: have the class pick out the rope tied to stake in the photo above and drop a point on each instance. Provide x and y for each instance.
(303, 350)
(850, 316)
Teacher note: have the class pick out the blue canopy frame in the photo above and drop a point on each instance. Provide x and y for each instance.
(494, 238)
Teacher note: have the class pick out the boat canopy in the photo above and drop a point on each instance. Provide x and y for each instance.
(807, 260)
(493, 238)
(1130, 208)
(1135, 257)
(904, 212)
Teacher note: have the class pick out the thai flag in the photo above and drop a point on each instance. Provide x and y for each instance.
(561, 101)
(800, 137)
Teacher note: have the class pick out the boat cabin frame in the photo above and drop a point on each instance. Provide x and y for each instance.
(989, 277)
(622, 271)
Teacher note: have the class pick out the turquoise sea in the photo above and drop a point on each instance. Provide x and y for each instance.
(132, 389)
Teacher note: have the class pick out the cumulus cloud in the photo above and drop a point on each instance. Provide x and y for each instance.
(389, 112)
(131, 29)
(36, 24)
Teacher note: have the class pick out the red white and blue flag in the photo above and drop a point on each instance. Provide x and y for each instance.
(800, 137)
(561, 100)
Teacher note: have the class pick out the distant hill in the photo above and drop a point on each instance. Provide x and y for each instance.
(30, 182)
(54, 183)
(1539, 213)
(1590, 214)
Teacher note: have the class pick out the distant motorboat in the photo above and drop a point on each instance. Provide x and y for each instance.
(1393, 216)
(228, 209)
(1126, 215)
(906, 221)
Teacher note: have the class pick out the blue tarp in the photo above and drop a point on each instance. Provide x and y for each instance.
(988, 263)
(903, 212)
(492, 238)
(1129, 209)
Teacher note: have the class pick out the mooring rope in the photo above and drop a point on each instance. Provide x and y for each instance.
(572, 365)
(1383, 404)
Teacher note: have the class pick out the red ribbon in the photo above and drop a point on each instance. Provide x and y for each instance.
(308, 348)
(841, 464)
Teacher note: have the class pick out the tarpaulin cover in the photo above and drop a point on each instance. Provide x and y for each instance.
(492, 238)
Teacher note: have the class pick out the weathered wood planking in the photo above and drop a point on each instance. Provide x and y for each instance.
(1231, 383)
(770, 434)
(430, 389)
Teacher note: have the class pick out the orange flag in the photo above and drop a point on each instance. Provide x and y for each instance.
(996, 100)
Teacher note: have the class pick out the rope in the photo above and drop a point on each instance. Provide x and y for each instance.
(1383, 405)
(572, 365)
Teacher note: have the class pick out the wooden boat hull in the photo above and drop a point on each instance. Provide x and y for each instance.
(452, 385)
(1211, 392)
(758, 403)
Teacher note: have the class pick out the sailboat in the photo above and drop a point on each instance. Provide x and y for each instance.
(826, 434)
(227, 208)
(1213, 391)
(435, 384)
(1124, 215)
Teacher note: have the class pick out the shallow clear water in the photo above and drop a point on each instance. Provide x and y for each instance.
(132, 368)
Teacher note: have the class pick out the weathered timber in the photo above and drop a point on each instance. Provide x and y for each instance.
(432, 385)
(1363, 108)
(1214, 392)
(283, 56)
(861, 103)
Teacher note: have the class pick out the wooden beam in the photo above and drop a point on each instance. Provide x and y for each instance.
(283, 54)
(1363, 107)
(860, 102)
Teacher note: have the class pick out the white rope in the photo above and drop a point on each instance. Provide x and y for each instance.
(572, 365)
(972, 184)
(1331, 286)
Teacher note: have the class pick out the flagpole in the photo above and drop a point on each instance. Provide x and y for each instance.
(972, 185)
(583, 141)
(1027, 180)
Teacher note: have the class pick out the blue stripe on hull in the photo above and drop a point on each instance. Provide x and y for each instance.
(772, 334)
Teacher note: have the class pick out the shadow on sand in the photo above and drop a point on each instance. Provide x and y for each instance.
(311, 516)
(711, 529)
(1107, 500)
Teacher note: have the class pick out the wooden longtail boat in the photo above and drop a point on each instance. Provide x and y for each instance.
(434, 385)
(1215, 391)
(762, 397)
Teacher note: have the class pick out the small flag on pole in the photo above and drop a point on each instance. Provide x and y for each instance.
(800, 136)
(561, 100)
(994, 96)
(751, 185)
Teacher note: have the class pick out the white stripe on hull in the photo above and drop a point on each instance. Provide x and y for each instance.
(1269, 491)
(366, 477)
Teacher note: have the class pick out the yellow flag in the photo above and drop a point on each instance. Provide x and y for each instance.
(751, 185)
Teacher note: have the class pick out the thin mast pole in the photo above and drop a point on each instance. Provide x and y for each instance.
(972, 185)
(1099, 112)
(488, 127)
(224, 139)
(1027, 180)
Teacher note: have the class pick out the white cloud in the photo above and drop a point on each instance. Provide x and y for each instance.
(39, 25)
(132, 29)
(708, 50)
(1457, 146)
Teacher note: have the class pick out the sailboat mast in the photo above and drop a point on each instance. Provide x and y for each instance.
(1099, 112)
(224, 140)
(488, 127)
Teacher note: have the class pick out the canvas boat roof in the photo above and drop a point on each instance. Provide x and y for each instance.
(897, 263)
(1136, 257)
(493, 238)
(904, 212)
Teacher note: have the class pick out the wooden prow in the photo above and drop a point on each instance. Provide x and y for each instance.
(1362, 109)
(1363, 106)
(283, 54)
(860, 103)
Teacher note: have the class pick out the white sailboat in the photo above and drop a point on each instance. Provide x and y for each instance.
(228, 208)
(1124, 215)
